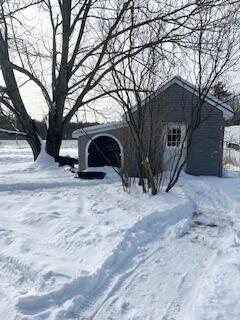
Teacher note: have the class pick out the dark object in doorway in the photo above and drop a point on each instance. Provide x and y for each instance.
(104, 151)
(91, 175)
(66, 161)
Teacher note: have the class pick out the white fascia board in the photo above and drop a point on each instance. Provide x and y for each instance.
(98, 128)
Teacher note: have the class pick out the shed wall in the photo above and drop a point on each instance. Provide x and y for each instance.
(205, 153)
(122, 134)
(175, 104)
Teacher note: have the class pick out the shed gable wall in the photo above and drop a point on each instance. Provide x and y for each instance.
(175, 104)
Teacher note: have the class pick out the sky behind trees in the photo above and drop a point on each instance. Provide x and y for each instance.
(38, 23)
(80, 51)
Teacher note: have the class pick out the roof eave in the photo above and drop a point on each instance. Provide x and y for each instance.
(96, 129)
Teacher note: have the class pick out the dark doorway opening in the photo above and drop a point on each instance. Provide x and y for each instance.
(104, 151)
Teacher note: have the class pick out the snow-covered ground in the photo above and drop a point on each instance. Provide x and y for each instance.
(73, 249)
(232, 156)
(232, 134)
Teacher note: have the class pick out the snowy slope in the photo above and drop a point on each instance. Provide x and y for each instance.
(73, 249)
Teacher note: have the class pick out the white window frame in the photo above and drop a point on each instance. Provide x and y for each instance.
(171, 126)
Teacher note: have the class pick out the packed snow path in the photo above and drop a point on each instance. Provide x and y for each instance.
(73, 249)
(193, 276)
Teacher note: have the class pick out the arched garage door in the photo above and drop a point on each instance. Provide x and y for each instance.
(104, 151)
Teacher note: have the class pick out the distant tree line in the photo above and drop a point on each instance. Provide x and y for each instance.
(10, 123)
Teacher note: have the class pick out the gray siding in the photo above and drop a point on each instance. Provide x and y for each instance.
(175, 104)
(122, 134)
(205, 154)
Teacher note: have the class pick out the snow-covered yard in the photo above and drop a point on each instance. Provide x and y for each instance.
(73, 249)
(232, 156)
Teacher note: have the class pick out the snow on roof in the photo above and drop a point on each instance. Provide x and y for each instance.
(98, 128)
(212, 100)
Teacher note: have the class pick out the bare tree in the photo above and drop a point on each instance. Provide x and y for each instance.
(216, 52)
(140, 76)
(70, 64)
(211, 49)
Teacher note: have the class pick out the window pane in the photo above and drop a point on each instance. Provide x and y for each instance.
(173, 136)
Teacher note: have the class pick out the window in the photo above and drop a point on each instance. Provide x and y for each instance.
(174, 137)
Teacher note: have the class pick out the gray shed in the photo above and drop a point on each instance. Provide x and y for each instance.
(172, 106)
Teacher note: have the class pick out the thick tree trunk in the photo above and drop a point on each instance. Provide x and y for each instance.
(33, 140)
(32, 136)
(28, 126)
(18, 108)
(54, 137)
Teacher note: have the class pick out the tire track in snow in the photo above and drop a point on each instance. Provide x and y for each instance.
(88, 288)
(111, 314)
(15, 277)
(129, 286)
(186, 290)
(190, 281)
(189, 286)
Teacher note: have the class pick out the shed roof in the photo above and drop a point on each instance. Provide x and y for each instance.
(98, 128)
(212, 100)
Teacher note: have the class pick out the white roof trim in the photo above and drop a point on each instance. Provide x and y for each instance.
(215, 102)
(98, 128)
